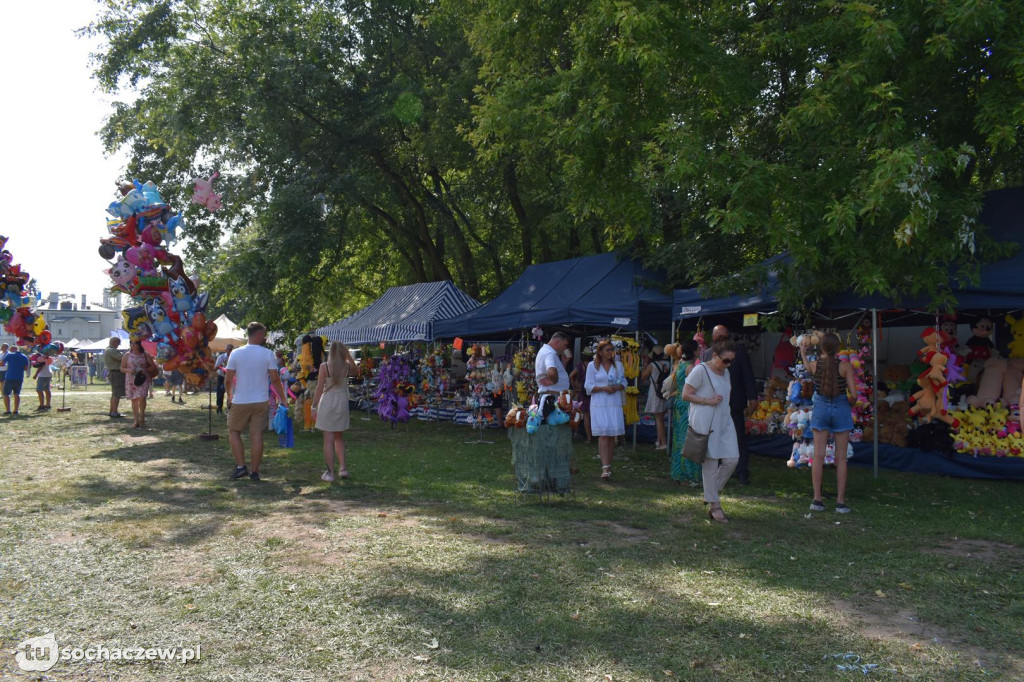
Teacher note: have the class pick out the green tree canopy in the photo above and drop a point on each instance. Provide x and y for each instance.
(366, 144)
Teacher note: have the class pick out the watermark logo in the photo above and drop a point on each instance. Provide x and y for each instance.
(38, 654)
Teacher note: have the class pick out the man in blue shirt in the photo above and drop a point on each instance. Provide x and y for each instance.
(16, 363)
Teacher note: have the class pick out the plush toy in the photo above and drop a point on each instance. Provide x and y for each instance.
(980, 345)
(991, 385)
(1016, 346)
(928, 403)
(533, 419)
(784, 358)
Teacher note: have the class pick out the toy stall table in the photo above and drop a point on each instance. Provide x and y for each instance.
(541, 460)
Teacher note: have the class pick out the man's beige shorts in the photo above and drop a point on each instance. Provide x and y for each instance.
(253, 415)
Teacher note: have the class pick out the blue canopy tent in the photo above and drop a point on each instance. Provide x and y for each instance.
(600, 291)
(1001, 287)
(402, 314)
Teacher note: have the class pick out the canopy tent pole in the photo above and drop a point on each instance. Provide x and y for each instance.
(637, 384)
(874, 378)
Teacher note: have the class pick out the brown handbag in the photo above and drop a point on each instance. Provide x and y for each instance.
(695, 447)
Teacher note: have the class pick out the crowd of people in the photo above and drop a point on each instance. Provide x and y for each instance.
(707, 393)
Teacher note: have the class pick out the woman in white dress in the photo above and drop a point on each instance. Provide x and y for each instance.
(707, 390)
(330, 407)
(605, 384)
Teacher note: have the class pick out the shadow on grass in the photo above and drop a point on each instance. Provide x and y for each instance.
(643, 522)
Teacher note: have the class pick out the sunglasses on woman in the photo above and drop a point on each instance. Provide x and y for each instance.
(726, 361)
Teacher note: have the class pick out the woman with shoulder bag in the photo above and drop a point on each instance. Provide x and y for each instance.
(707, 390)
(137, 368)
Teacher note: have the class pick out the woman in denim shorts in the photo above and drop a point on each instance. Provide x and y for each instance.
(831, 414)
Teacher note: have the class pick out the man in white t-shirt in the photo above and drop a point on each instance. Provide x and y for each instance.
(549, 368)
(249, 372)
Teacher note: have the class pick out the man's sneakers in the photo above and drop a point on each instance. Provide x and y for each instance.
(116, 415)
(242, 472)
(817, 505)
(841, 508)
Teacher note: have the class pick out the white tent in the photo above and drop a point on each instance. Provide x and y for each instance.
(227, 333)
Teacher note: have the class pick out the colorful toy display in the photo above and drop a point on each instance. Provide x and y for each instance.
(394, 390)
(168, 309)
(629, 351)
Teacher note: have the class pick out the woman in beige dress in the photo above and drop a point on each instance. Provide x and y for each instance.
(330, 407)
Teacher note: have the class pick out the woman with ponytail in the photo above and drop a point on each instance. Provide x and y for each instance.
(831, 415)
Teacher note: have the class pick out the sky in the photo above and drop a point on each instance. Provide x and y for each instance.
(55, 180)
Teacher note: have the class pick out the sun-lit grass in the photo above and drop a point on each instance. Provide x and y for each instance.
(424, 565)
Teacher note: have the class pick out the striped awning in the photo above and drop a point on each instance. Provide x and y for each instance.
(402, 314)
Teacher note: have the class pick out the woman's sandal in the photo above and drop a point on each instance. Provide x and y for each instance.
(717, 515)
(343, 473)
(606, 472)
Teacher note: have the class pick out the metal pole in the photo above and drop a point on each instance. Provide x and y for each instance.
(874, 375)
(636, 382)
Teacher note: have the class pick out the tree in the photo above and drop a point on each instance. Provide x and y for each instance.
(858, 136)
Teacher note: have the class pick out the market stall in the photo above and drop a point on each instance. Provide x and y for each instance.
(970, 390)
(603, 293)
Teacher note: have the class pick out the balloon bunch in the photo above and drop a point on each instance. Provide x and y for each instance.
(168, 308)
(16, 299)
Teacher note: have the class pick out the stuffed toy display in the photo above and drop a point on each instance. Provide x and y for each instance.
(989, 431)
(929, 403)
(393, 390)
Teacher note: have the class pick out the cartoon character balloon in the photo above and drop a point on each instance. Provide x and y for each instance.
(166, 305)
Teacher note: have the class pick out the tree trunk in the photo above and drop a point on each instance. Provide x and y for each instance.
(525, 225)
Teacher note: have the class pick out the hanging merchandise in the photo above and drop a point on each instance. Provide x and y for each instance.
(629, 350)
(168, 309)
(485, 384)
(523, 374)
(394, 389)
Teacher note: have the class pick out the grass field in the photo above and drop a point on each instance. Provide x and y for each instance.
(424, 565)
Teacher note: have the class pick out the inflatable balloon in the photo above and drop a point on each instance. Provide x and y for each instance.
(167, 307)
(204, 195)
(16, 300)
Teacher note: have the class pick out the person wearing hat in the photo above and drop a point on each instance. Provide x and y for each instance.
(654, 373)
